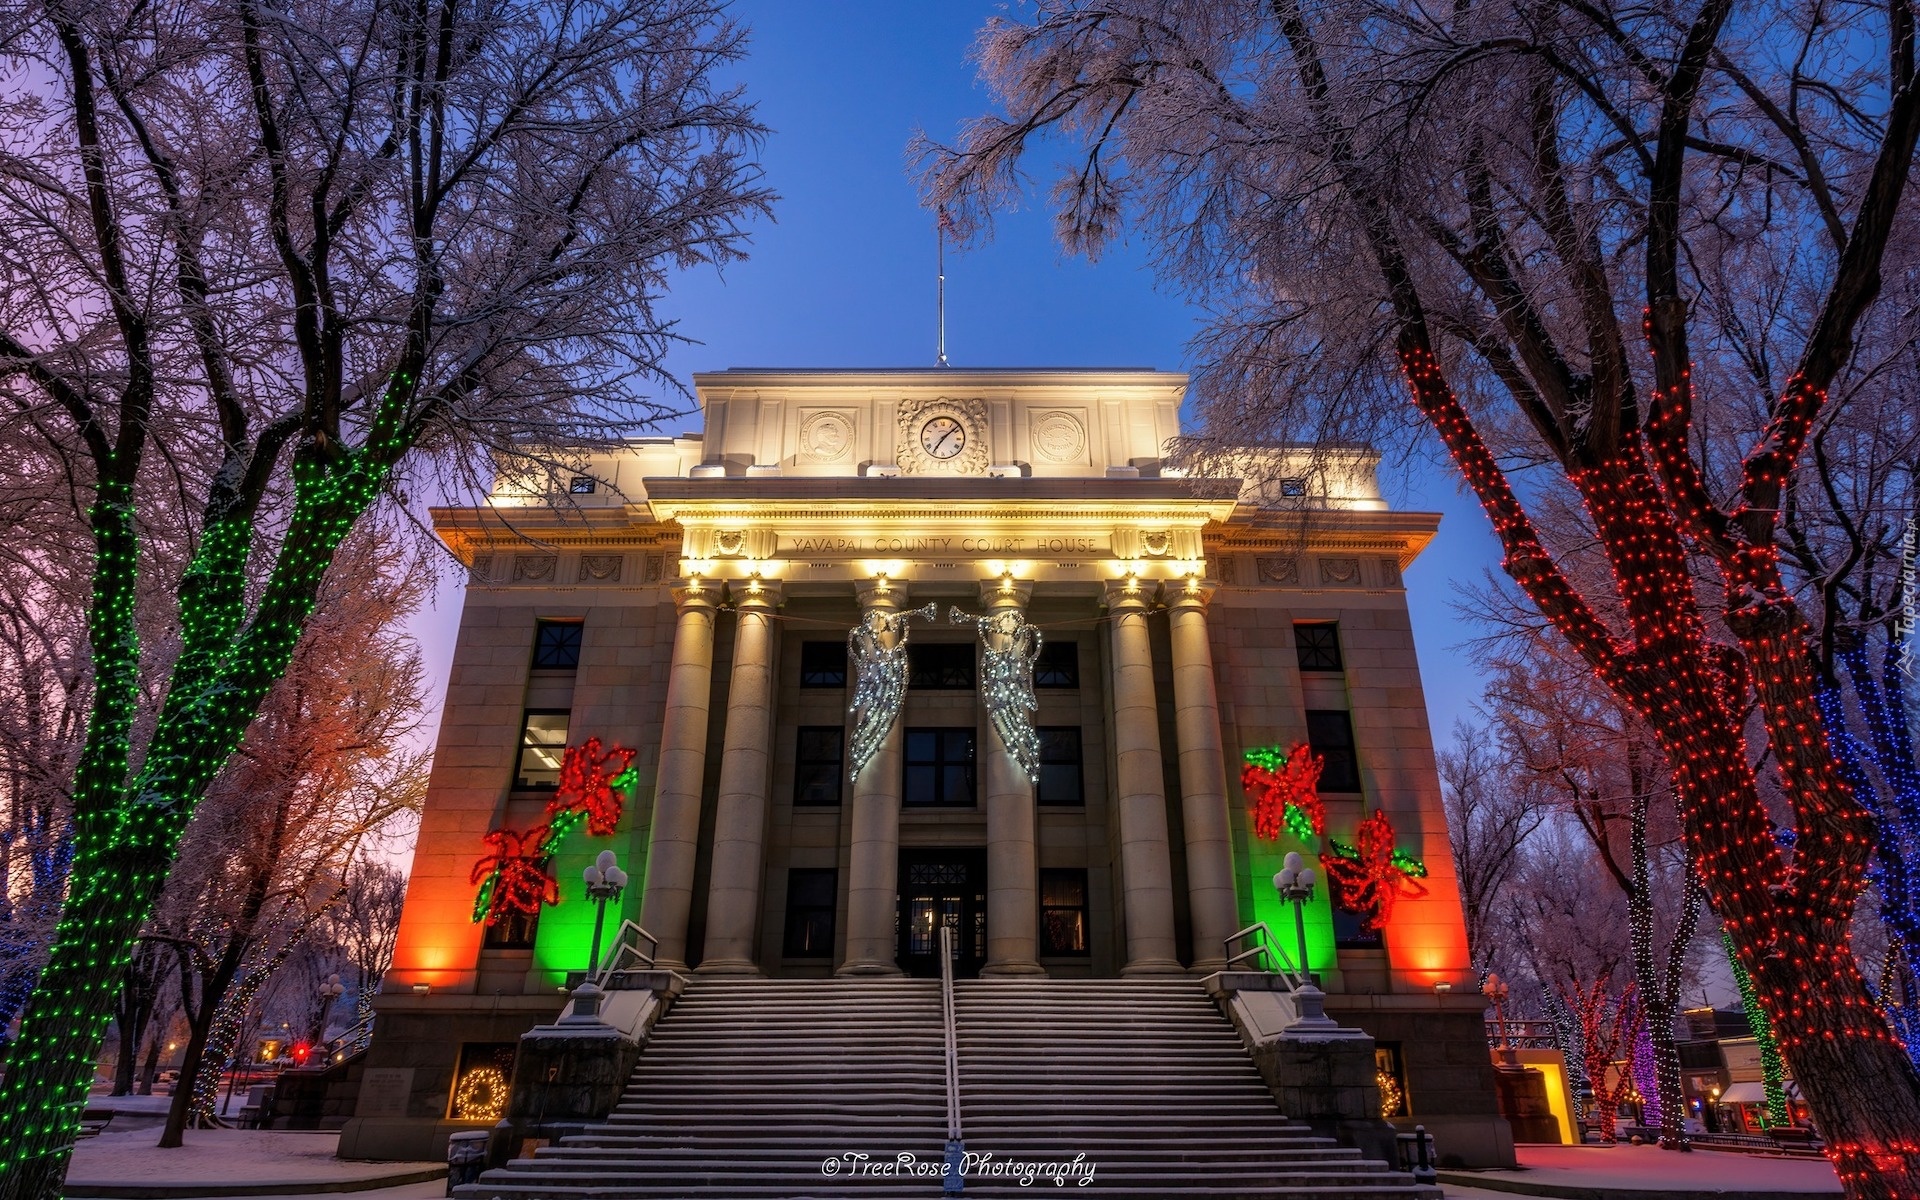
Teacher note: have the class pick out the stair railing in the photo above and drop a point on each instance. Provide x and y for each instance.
(628, 951)
(1259, 951)
(956, 1143)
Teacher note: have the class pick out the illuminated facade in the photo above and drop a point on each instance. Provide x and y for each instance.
(691, 599)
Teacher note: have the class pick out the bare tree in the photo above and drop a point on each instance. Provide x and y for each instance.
(1492, 201)
(287, 255)
(1490, 816)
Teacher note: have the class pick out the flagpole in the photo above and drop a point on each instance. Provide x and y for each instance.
(940, 293)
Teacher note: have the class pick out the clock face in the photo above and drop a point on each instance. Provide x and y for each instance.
(943, 437)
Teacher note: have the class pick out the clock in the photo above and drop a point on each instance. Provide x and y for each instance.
(943, 438)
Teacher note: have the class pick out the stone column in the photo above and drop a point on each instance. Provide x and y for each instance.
(1203, 779)
(873, 861)
(1013, 861)
(740, 808)
(674, 837)
(1146, 870)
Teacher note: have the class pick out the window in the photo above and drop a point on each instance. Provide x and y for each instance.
(1059, 765)
(1293, 488)
(1063, 911)
(816, 766)
(1350, 933)
(810, 893)
(556, 645)
(823, 664)
(939, 767)
(513, 931)
(1318, 646)
(543, 743)
(582, 485)
(1330, 734)
(940, 666)
(1058, 665)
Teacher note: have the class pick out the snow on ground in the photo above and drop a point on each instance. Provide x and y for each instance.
(1649, 1168)
(222, 1156)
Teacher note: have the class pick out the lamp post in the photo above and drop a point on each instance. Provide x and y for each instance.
(1496, 990)
(604, 881)
(328, 994)
(1295, 882)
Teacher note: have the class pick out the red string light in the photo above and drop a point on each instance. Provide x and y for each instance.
(1284, 788)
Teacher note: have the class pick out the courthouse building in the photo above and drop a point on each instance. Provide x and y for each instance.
(691, 599)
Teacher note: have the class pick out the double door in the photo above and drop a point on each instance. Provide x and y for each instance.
(942, 887)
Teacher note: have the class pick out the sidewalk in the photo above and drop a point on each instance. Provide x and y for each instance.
(228, 1162)
(1625, 1172)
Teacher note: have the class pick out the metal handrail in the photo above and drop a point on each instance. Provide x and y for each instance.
(623, 947)
(347, 1044)
(1261, 947)
(956, 1145)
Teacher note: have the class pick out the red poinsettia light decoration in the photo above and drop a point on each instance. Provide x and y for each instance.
(1369, 876)
(1284, 789)
(587, 784)
(514, 877)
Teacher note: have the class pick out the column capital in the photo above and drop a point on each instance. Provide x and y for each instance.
(754, 593)
(1006, 592)
(880, 592)
(1128, 595)
(697, 595)
(1193, 594)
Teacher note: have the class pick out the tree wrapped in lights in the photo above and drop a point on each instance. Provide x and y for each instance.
(1772, 1073)
(1368, 877)
(470, 272)
(1284, 786)
(1476, 199)
(1008, 646)
(1606, 1025)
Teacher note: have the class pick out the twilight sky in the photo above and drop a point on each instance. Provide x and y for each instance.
(845, 276)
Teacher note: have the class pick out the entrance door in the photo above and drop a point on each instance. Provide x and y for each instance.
(942, 887)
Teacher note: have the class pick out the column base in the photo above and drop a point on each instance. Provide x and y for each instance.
(1152, 966)
(1208, 966)
(872, 967)
(1005, 969)
(729, 966)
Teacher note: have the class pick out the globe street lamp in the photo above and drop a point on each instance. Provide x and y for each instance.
(1295, 882)
(604, 881)
(1496, 990)
(328, 994)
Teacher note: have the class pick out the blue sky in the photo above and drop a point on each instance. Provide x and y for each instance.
(844, 276)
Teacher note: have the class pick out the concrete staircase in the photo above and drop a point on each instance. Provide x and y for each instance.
(1147, 1080)
(748, 1086)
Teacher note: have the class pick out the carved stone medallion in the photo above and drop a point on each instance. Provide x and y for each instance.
(1059, 437)
(826, 436)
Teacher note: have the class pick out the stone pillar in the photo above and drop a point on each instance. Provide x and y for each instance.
(675, 834)
(1203, 779)
(1146, 870)
(873, 861)
(1013, 861)
(746, 771)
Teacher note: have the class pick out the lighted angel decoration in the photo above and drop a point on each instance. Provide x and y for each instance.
(878, 648)
(1009, 646)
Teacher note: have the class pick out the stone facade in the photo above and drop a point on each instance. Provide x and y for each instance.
(704, 573)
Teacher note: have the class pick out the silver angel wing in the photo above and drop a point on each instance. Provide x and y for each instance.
(878, 649)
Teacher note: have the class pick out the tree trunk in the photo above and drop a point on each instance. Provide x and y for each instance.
(55, 1053)
(199, 1027)
(156, 1034)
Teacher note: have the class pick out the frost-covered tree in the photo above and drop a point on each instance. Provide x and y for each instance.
(279, 261)
(1524, 216)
